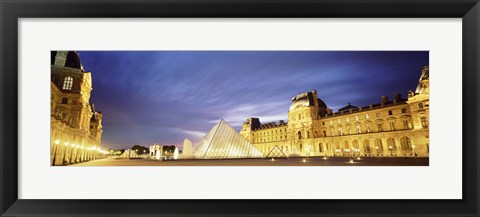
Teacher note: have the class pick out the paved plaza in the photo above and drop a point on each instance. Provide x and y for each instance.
(309, 161)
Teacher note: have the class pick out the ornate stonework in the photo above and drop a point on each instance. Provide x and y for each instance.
(389, 128)
(76, 128)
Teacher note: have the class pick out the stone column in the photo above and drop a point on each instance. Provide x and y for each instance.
(386, 149)
(398, 144)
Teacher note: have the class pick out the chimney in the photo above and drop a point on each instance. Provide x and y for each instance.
(384, 100)
(398, 97)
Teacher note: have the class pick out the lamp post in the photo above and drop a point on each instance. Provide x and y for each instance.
(391, 150)
(376, 148)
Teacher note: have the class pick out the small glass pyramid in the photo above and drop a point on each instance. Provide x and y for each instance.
(224, 142)
(276, 152)
(129, 154)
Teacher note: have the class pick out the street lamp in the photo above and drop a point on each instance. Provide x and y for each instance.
(376, 147)
(391, 150)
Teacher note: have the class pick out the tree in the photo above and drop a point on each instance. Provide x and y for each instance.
(140, 149)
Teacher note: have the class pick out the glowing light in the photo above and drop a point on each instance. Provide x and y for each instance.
(324, 158)
(273, 159)
(78, 146)
(351, 161)
(304, 160)
(73, 145)
(358, 158)
(57, 142)
(66, 143)
(81, 147)
(413, 146)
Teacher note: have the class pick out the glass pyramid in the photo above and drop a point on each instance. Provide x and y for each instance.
(224, 142)
(276, 152)
(129, 154)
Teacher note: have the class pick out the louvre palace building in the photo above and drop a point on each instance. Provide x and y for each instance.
(396, 127)
(76, 127)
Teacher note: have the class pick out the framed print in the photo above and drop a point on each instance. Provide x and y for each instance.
(178, 108)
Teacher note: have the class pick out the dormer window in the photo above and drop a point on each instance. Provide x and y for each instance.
(68, 83)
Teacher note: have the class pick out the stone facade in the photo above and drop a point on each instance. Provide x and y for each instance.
(397, 127)
(76, 127)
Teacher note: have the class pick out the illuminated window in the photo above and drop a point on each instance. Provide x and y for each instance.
(338, 120)
(405, 125)
(348, 119)
(380, 127)
(424, 122)
(68, 83)
(358, 129)
(368, 128)
(356, 117)
(367, 116)
(392, 126)
(331, 122)
(340, 132)
(390, 112)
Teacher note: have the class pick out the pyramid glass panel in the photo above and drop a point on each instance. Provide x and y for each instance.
(223, 141)
(129, 154)
(276, 152)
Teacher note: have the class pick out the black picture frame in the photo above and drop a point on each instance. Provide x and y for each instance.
(12, 10)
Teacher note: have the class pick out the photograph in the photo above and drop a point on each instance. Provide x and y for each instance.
(239, 108)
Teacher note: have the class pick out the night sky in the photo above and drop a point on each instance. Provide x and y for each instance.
(167, 96)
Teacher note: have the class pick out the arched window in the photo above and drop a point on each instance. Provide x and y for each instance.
(320, 147)
(299, 135)
(68, 83)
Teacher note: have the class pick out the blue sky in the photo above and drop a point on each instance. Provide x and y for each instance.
(167, 96)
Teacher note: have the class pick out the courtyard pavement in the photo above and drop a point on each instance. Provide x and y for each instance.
(298, 161)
